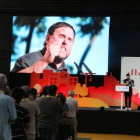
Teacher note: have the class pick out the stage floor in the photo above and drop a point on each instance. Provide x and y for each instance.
(108, 121)
(107, 136)
(112, 108)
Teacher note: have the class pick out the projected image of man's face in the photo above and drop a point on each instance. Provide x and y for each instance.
(60, 43)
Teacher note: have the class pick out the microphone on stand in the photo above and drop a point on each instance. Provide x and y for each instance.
(87, 68)
(79, 70)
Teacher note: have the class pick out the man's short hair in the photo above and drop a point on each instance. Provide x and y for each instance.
(18, 94)
(71, 93)
(127, 74)
(3, 80)
(34, 92)
(52, 90)
(7, 90)
(52, 28)
(27, 91)
(45, 90)
(60, 93)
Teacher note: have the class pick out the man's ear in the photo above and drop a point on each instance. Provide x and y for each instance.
(4, 85)
(30, 95)
(47, 38)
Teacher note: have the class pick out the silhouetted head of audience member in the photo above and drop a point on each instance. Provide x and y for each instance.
(52, 90)
(61, 98)
(41, 93)
(71, 93)
(18, 94)
(45, 90)
(27, 91)
(60, 93)
(33, 94)
(3, 81)
(7, 91)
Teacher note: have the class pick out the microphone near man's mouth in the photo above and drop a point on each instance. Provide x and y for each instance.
(79, 69)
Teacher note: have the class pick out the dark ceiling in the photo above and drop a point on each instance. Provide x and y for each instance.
(73, 7)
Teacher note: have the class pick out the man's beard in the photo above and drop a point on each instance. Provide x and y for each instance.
(58, 60)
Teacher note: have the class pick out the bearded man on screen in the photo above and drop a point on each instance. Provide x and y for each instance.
(57, 48)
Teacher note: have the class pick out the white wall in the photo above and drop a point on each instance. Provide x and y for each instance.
(131, 65)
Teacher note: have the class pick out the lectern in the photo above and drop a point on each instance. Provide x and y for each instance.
(122, 89)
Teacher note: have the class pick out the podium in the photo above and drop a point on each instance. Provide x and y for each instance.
(122, 89)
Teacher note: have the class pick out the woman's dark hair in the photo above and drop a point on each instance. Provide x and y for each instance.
(18, 94)
(62, 99)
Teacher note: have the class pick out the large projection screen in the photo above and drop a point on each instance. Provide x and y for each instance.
(91, 33)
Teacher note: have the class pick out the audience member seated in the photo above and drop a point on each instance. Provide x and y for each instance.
(33, 94)
(50, 108)
(7, 111)
(73, 108)
(23, 118)
(33, 111)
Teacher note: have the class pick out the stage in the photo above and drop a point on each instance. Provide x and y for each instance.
(90, 119)
(108, 121)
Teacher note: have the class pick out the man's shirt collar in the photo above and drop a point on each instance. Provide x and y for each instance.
(1, 91)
